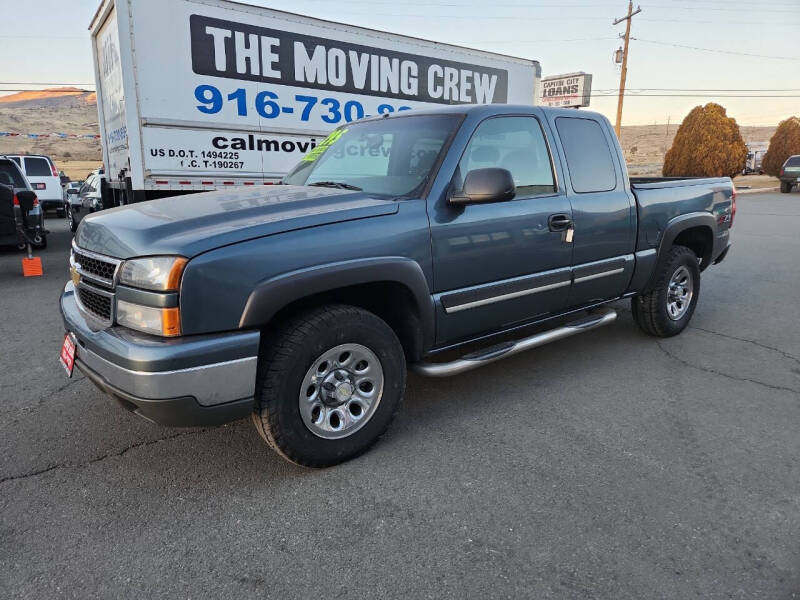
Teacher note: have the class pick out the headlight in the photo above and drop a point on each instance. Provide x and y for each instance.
(165, 322)
(158, 273)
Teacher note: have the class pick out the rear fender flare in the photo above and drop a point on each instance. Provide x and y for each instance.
(673, 229)
(274, 294)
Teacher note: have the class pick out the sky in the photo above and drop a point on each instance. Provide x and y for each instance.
(756, 46)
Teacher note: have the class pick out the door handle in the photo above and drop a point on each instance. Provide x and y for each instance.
(559, 222)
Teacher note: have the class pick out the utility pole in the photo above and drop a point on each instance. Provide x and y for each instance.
(624, 74)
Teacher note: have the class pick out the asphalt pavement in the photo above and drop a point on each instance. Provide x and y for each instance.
(609, 465)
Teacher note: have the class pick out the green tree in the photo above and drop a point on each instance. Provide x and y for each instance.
(784, 143)
(708, 144)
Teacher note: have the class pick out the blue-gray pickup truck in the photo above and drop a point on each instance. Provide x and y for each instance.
(442, 240)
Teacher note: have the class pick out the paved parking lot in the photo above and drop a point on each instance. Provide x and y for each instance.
(611, 465)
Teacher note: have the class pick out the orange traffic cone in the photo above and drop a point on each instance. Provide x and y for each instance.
(32, 266)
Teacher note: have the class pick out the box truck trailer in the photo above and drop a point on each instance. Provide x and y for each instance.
(195, 95)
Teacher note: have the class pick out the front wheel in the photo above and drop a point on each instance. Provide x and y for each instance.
(330, 381)
(73, 226)
(667, 309)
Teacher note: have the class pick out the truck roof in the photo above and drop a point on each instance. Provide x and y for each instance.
(487, 110)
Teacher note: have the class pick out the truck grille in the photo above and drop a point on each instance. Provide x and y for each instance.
(93, 266)
(95, 289)
(95, 302)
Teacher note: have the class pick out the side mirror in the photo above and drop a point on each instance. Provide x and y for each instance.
(26, 199)
(486, 185)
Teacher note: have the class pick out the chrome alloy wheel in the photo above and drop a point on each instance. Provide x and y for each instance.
(341, 391)
(679, 293)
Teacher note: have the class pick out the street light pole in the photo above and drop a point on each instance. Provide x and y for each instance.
(628, 18)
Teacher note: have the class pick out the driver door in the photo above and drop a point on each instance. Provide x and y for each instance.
(500, 264)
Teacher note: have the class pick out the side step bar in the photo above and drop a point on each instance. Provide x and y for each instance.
(490, 355)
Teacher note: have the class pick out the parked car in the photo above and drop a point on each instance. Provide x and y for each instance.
(790, 173)
(41, 172)
(12, 178)
(86, 199)
(72, 185)
(400, 239)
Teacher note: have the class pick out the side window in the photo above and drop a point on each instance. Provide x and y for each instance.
(37, 167)
(15, 159)
(516, 144)
(589, 160)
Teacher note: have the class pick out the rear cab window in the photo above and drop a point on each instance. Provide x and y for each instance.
(589, 159)
(36, 166)
(10, 175)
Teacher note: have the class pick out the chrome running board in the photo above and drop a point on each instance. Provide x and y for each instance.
(489, 355)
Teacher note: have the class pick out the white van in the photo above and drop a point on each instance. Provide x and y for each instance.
(43, 176)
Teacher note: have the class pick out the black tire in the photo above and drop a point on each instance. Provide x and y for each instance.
(286, 356)
(43, 244)
(786, 187)
(650, 309)
(73, 226)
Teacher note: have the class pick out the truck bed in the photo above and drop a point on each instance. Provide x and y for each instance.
(661, 199)
(659, 182)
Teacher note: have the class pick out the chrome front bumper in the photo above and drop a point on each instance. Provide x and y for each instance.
(194, 380)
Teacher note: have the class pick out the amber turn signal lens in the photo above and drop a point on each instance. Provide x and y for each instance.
(171, 321)
(175, 273)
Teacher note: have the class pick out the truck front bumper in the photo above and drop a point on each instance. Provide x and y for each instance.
(186, 381)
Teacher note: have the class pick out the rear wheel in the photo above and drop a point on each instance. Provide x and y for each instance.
(786, 187)
(60, 212)
(667, 309)
(330, 381)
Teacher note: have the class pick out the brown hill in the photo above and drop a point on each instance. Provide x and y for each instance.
(72, 110)
(50, 98)
(645, 145)
(73, 116)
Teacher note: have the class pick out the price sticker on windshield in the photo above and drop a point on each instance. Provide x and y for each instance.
(324, 145)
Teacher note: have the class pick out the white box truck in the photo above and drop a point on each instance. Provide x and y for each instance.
(194, 95)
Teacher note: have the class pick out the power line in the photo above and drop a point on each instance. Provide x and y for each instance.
(553, 18)
(715, 50)
(696, 5)
(696, 95)
(697, 90)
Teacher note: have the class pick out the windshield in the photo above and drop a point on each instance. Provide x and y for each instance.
(386, 157)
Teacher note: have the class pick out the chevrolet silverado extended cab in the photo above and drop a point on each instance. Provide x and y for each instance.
(408, 239)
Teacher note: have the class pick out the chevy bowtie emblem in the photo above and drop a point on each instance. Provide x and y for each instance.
(74, 274)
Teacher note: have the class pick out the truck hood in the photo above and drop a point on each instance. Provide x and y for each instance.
(191, 224)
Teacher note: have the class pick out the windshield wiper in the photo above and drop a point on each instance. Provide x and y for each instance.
(336, 184)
